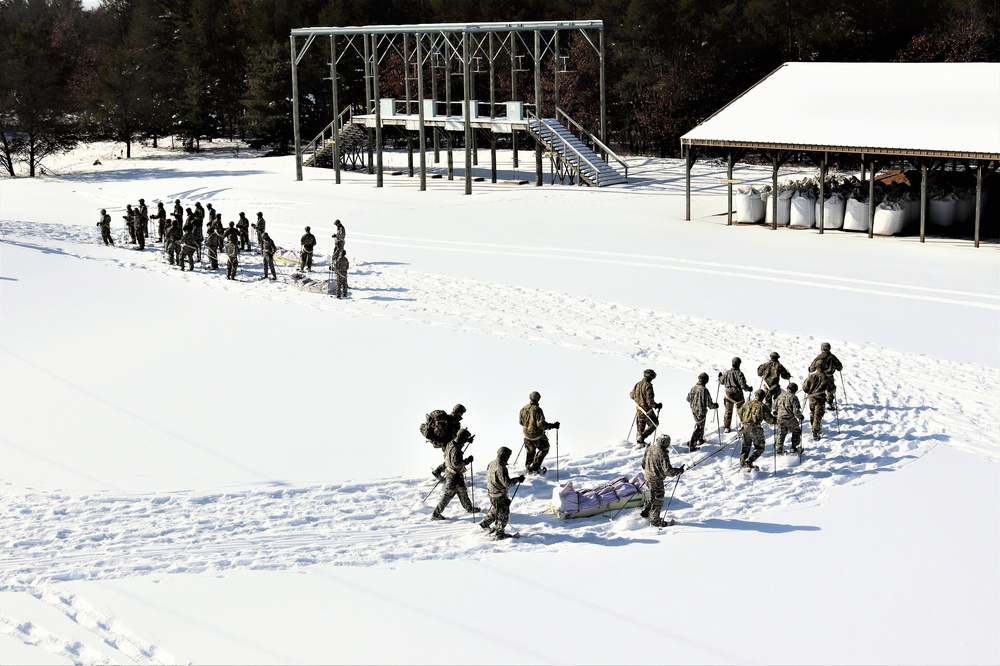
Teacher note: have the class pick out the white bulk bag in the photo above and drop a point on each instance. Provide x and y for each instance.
(890, 218)
(803, 211)
(749, 205)
(833, 211)
(856, 215)
(943, 211)
(784, 206)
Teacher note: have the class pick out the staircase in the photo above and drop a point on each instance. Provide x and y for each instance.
(571, 157)
(351, 137)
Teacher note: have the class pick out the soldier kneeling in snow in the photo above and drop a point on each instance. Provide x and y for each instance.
(498, 481)
(656, 466)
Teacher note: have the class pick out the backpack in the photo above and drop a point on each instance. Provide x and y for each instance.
(439, 427)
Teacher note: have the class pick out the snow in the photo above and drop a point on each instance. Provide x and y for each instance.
(950, 107)
(199, 470)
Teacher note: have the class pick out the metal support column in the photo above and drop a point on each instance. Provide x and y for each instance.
(368, 101)
(979, 198)
(822, 192)
(378, 113)
(729, 188)
(923, 198)
(688, 162)
(406, 86)
(296, 134)
(336, 110)
(447, 106)
(604, 124)
(513, 92)
(422, 137)
(538, 105)
(434, 96)
(774, 191)
(871, 202)
(555, 70)
(467, 110)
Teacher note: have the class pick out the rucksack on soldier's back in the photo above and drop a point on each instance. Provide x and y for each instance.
(439, 427)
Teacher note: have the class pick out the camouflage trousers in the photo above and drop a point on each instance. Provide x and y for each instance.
(231, 267)
(106, 237)
(499, 512)
(817, 408)
(307, 260)
(454, 484)
(140, 238)
(535, 451)
(753, 437)
(698, 436)
(269, 265)
(646, 423)
(831, 390)
(733, 400)
(187, 254)
(772, 393)
(172, 254)
(792, 426)
(213, 258)
(653, 501)
(341, 285)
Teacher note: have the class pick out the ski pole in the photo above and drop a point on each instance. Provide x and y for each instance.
(720, 450)
(518, 454)
(836, 412)
(557, 455)
(628, 437)
(843, 383)
(472, 490)
(774, 445)
(670, 501)
(433, 489)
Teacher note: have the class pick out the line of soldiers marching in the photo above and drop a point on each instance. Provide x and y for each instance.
(781, 409)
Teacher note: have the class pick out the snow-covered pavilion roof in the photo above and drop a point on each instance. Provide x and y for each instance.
(920, 109)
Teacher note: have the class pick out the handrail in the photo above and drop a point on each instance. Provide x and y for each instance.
(334, 128)
(593, 138)
(566, 144)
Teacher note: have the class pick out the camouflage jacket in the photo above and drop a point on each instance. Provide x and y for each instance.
(643, 395)
(341, 234)
(826, 363)
(754, 413)
(231, 250)
(453, 460)
(213, 240)
(105, 222)
(497, 479)
(816, 385)
(771, 371)
(308, 242)
(656, 463)
(532, 420)
(787, 407)
(700, 399)
(268, 247)
(341, 266)
(734, 381)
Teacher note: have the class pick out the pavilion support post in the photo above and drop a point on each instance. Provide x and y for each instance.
(979, 198)
(336, 110)
(538, 105)
(378, 113)
(421, 130)
(774, 190)
(447, 106)
(822, 192)
(406, 86)
(604, 124)
(467, 109)
(555, 70)
(369, 102)
(871, 202)
(729, 188)
(296, 134)
(451, 154)
(493, 157)
(434, 96)
(688, 163)
(923, 198)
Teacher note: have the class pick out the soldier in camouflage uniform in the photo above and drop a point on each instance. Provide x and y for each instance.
(243, 227)
(700, 401)
(178, 211)
(267, 250)
(105, 225)
(457, 412)
(260, 226)
(772, 372)
(498, 482)
(534, 425)
(143, 213)
(816, 387)
(188, 245)
(789, 414)
(234, 258)
(735, 384)
(173, 246)
(454, 476)
(139, 227)
(656, 466)
(213, 242)
(129, 218)
(161, 221)
(308, 243)
(646, 407)
(828, 364)
(341, 265)
(753, 414)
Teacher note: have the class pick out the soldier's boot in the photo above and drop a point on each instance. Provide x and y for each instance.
(437, 515)
(500, 535)
(486, 526)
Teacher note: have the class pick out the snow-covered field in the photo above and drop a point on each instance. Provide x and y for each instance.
(207, 471)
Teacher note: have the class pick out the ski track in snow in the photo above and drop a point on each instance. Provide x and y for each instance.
(894, 412)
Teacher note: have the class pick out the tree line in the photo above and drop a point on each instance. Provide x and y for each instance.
(142, 70)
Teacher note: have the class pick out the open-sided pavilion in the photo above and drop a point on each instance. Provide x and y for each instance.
(927, 115)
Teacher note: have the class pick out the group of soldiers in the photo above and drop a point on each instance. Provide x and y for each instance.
(184, 231)
(781, 409)
(768, 404)
(339, 263)
(444, 430)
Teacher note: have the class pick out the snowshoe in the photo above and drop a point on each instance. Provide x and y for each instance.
(669, 522)
(500, 536)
